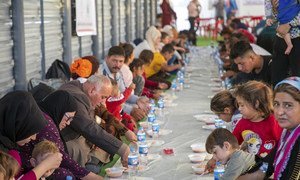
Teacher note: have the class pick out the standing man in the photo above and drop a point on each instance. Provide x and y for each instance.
(230, 8)
(135, 106)
(194, 9)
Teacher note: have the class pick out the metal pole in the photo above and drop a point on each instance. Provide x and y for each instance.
(42, 30)
(80, 46)
(128, 21)
(114, 21)
(95, 38)
(67, 32)
(19, 45)
(138, 18)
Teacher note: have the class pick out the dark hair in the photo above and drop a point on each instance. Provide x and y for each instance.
(240, 49)
(128, 48)
(164, 35)
(167, 48)
(116, 51)
(222, 100)
(225, 31)
(218, 137)
(136, 63)
(255, 92)
(147, 56)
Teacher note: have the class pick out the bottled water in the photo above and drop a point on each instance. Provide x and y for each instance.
(133, 159)
(155, 130)
(143, 151)
(218, 171)
(152, 105)
(151, 117)
(174, 87)
(141, 135)
(219, 123)
(69, 177)
(160, 103)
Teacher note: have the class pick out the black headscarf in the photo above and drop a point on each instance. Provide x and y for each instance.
(57, 104)
(20, 118)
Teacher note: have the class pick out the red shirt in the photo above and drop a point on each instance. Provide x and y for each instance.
(114, 105)
(266, 131)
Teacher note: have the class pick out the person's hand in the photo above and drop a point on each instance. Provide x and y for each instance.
(132, 86)
(228, 74)
(137, 113)
(124, 157)
(269, 22)
(162, 86)
(130, 136)
(143, 103)
(52, 161)
(210, 165)
(283, 29)
(179, 66)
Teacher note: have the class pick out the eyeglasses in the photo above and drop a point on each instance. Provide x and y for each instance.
(69, 118)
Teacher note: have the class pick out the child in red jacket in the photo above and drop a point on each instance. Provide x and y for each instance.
(114, 105)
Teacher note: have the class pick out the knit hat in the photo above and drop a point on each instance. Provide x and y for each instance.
(82, 67)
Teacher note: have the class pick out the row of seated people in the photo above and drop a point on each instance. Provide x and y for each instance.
(73, 130)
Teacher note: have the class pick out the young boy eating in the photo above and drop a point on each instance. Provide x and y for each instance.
(225, 149)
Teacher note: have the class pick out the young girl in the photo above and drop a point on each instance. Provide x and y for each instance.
(114, 105)
(127, 74)
(136, 67)
(147, 57)
(254, 100)
(9, 167)
(223, 105)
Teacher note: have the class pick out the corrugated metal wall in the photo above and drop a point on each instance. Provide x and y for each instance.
(133, 28)
(6, 61)
(130, 25)
(122, 20)
(53, 31)
(32, 38)
(100, 29)
(106, 25)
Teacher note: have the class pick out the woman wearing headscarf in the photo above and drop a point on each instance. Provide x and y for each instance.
(152, 42)
(168, 14)
(284, 160)
(20, 121)
(58, 109)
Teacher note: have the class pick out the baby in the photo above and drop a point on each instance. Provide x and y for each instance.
(40, 152)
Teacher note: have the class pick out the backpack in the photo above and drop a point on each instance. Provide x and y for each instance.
(59, 69)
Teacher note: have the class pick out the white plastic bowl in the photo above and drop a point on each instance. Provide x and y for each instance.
(199, 168)
(198, 147)
(197, 158)
(114, 171)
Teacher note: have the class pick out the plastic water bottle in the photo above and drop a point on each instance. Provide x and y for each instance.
(155, 130)
(133, 159)
(143, 151)
(160, 103)
(152, 105)
(218, 171)
(219, 123)
(151, 117)
(69, 177)
(181, 82)
(141, 135)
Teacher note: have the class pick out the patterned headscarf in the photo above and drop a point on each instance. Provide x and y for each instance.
(82, 67)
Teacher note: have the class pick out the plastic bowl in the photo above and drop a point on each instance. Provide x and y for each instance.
(198, 147)
(197, 158)
(199, 168)
(114, 171)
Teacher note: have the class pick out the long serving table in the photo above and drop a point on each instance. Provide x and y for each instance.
(186, 130)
